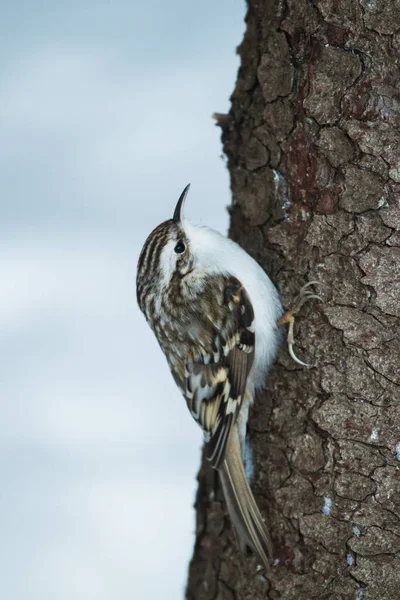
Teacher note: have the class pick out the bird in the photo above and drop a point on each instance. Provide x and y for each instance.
(216, 315)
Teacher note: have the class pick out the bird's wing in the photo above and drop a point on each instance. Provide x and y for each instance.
(215, 383)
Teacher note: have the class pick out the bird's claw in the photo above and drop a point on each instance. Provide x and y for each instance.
(288, 317)
(305, 294)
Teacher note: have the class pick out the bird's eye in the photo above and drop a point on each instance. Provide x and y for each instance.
(180, 247)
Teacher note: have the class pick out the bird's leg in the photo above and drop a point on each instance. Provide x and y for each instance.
(289, 316)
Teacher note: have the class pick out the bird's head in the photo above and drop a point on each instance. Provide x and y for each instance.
(166, 252)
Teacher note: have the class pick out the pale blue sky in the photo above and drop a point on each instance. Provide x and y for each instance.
(105, 115)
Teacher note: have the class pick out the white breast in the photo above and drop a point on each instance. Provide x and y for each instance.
(217, 254)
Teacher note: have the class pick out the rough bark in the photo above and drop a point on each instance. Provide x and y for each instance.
(313, 147)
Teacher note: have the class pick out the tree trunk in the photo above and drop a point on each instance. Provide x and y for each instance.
(313, 146)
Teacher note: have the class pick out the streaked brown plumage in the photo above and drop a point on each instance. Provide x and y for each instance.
(209, 346)
(204, 321)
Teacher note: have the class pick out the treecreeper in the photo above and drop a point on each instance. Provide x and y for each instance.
(217, 317)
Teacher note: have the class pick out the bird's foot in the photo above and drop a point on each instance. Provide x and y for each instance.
(289, 316)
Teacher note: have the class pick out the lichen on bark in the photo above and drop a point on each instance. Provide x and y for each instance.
(313, 147)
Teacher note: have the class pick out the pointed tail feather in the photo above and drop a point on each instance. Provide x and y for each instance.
(241, 504)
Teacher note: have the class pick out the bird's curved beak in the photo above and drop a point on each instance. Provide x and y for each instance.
(177, 218)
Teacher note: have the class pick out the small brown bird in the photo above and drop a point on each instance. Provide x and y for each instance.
(214, 312)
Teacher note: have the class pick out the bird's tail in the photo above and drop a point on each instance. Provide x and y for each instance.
(243, 510)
